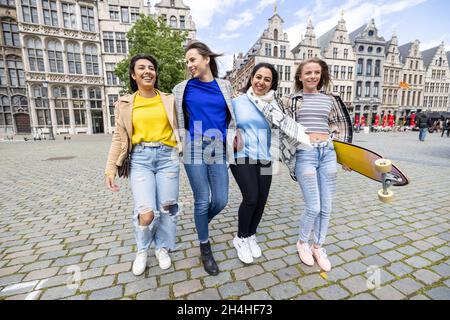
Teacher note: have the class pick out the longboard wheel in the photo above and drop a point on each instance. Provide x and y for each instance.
(386, 198)
(383, 165)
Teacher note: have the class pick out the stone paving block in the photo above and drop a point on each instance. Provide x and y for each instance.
(107, 294)
(17, 288)
(54, 281)
(207, 294)
(95, 255)
(388, 293)
(417, 262)
(186, 287)
(104, 262)
(263, 281)
(26, 296)
(363, 296)
(399, 269)
(173, 277)
(355, 267)
(440, 293)
(432, 256)
(350, 255)
(214, 281)
(286, 290)
(247, 272)
(274, 264)
(9, 270)
(356, 284)
(287, 274)
(426, 276)
(274, 254)
(53, 255)
(257, 295)
(157, 294)
(41, 274)
(58, 293)
(140, 286)
(408, 250)
(375, 260)
(311, 282)
(67, 261)
(118, 268)
(392, 255)
(237, 288)
(333, 292)
(407, 286)
(307, 296)
(188, 263)
(442, 269)
(369, 250)
(97, 283)
(77, 297)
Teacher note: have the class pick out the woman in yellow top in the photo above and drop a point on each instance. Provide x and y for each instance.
(146, 126)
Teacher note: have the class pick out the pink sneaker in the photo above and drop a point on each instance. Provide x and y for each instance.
(305, 254)
(321, 257)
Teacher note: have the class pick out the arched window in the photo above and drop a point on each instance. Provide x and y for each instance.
(55, 56)
(172, 3)
(275, 34)
(275, 51)
(369, 67)
(10, 33)
(359, 69)
(5, 111)
(173, 22)
(74, 58)
(95, 98)
(20, 103)
(59, 95)
(35, 54)
(91, 59)
(15, 71)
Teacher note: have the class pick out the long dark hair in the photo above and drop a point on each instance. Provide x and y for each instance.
(268, 66)
(205, 51)
(325, 78)
(134, 59)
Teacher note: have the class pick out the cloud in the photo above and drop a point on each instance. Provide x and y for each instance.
(227, 36)
(436, 42)
(203, 11)
(356, 13)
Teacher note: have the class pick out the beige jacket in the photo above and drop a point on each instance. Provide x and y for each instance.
(121, 140)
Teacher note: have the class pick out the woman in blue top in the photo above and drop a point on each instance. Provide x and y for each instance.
(257, 112)
(205, 117)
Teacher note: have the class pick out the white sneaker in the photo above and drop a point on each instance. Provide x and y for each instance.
(243, 249)
(254, 247)
(140, 262)
(163, 258)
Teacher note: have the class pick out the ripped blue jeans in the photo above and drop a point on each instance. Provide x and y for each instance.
(154, 180)
(316, 174)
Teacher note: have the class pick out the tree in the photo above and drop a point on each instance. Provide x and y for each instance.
(153, 36)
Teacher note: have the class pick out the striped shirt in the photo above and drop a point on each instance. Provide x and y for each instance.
(315, 112)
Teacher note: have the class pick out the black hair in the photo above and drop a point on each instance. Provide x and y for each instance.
(205, 51)
(268, 66)
(134, 59)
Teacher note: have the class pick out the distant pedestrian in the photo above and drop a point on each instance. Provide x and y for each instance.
(423, 123)
(446, 126)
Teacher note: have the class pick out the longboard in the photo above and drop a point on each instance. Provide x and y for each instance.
(371, 165)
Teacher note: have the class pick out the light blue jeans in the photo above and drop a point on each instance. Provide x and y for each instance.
(154, 180)
(316, 173)
(208, 176)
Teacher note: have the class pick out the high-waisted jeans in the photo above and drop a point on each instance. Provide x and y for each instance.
(154, 180)
(316, 173)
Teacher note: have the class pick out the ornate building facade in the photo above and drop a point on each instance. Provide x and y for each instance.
(369, 50)
(14, 106)
(437, 79)
(392, 75)
(308, 47)
(177, 15)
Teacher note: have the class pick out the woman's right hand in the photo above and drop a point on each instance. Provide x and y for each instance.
(110, 184)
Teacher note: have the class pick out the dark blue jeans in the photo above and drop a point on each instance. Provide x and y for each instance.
(208, 176)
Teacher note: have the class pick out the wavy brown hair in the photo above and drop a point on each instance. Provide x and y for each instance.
(325, 78)
(205, 51)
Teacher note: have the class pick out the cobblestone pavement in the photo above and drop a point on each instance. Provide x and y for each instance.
(64, 236)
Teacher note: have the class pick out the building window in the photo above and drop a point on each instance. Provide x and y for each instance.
(335, 53)
(369, 49)
(29, 11)
(15, 71)
(112, 98)
(361, 48)
(61, 106)
(376, 88)
(349, 93)
(95, 98)
(367, 89)
(35, 54)
(10, 3)
(91, 60)
(74, 58)
(2, 72)
(125, 14)
(134, 14)
(369, 67)
(268, 50)
(336, 72)
(79, 106)
(287, 70)
(280, 71)
(275, 34)
(69, 15)
(343, 72)
(114, 12)
(350, 73)
(40, 96)
(335, 89)
(287, 91)
(5, 111)
(377, 68)
(358, 88)
(172, 3)
(342, 92)
(173, 22)
(282, 51)
(182, 22)
(111, 78)
(87, 18)
(345, 54)
(121, 42)
(310, 54)
(10, 33)
(359, 69)
(55, 56)
(50, 13)
(108, 42)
